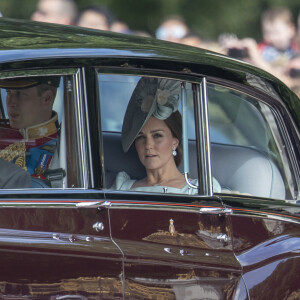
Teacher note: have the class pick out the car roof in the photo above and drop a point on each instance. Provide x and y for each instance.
(63, 39)
(22, 40)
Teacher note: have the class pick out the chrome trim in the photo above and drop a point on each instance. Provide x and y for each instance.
(190, 184)
(206, 137)
(97, 204)
(89, 204)
(203, 140)
(82, 121)
(215, 210)
(185, 145)
(162, 206)
(293, 165)
(87, 131)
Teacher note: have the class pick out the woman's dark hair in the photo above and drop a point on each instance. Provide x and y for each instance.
(174, 122)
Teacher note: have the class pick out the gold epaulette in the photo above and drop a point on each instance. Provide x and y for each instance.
(15, 150)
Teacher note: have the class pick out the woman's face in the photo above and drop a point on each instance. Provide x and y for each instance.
(154, 144)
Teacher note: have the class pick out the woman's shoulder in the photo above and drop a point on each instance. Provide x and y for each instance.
(123, 181)
(216, 186)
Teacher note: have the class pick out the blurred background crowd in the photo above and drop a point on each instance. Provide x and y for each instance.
(265, 33)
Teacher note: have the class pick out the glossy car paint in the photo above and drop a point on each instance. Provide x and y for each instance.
(190, 260)
(52, 249)
(49, 246)
(266, 241)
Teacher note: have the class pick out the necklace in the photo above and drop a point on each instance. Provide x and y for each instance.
(167, 182)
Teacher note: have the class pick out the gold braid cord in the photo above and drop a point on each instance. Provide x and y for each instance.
(15, 150)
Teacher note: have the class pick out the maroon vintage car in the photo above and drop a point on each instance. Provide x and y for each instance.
(72, 234)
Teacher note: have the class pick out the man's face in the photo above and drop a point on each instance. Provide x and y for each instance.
(25, 107)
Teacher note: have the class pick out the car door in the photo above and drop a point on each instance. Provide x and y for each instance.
(175, 246)
(255, 162)
(175, 250)
(55, 239)
(53, 247)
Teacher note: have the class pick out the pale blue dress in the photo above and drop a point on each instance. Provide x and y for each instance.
(124, 182)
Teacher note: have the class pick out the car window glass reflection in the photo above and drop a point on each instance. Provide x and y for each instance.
(32, 111)
(246, 146)
(142, 134)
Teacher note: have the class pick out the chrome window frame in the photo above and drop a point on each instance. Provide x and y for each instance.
(82, 125)
(203, 139)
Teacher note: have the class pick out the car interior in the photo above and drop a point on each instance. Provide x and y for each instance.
(238, 169)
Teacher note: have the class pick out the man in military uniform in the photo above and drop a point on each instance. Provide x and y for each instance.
(29, 140)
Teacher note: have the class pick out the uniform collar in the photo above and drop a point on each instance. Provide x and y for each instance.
(41, 130)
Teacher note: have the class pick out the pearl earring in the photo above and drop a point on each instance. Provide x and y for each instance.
(174, 152)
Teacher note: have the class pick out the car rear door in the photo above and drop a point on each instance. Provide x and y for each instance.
(175, 248)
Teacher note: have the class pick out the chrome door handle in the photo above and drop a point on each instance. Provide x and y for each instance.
(223, 238)
(99, 226)
(97, 204)
(215, 210)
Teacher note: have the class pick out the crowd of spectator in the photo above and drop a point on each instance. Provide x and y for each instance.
(277, 53)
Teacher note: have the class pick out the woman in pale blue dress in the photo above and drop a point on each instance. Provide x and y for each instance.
(153, 123)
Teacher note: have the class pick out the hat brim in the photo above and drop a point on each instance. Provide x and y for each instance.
(28, 82)
(140, 108)
(17, 84)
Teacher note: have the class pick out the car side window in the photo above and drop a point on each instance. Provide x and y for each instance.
(247, 150)
(127, 105)
(39, 141)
